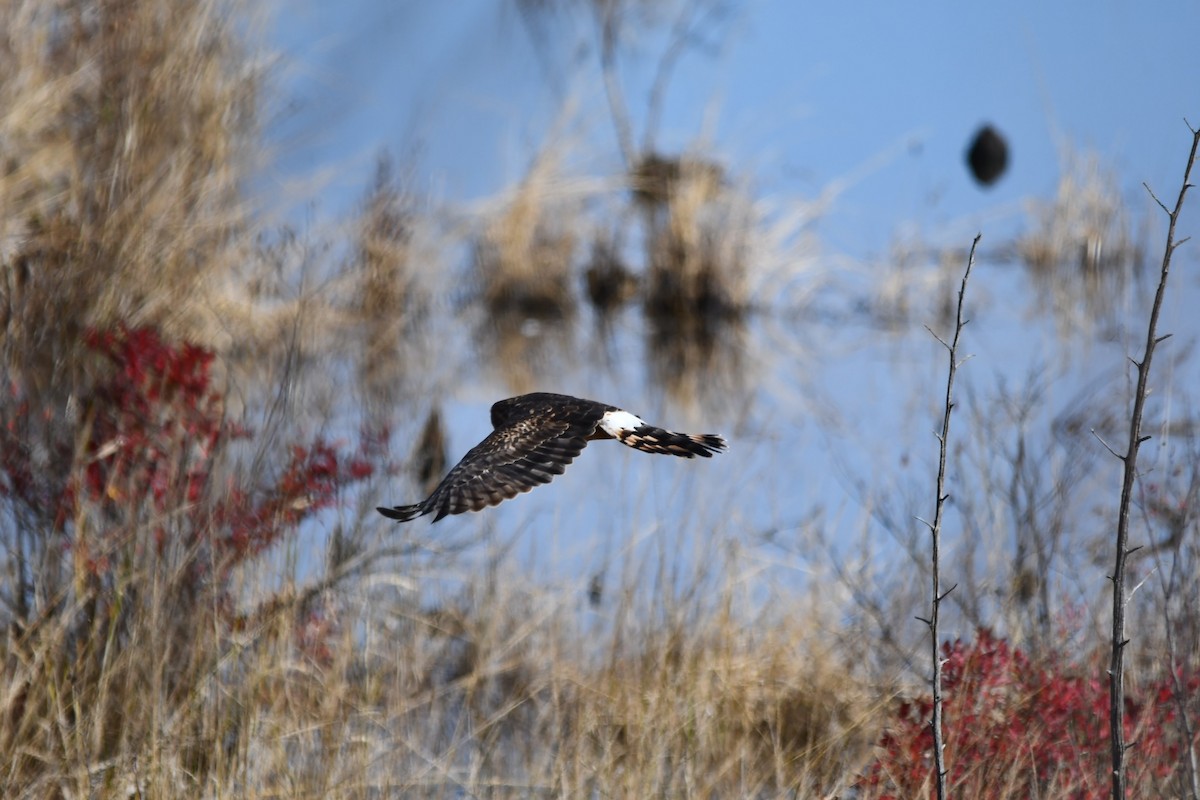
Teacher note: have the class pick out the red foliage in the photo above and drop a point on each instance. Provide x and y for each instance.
(144, 461)
(155, 424)
(1016, 729)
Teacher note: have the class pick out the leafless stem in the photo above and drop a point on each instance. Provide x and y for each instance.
(684, 31)
(1116, 671)
(935, 530)
(693, 17)
(609, 22)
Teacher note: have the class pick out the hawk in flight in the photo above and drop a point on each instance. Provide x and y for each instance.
(535, 437)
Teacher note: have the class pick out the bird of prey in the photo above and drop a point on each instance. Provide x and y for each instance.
(535, 437)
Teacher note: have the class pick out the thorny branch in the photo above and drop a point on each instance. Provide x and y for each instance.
(1116, 670)
(935, 530)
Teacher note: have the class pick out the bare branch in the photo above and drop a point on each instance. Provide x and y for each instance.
(940, 339)
(1116, 683)
(935, 530)
(692, 17)
(608, 22)
(1140, 583)
(1100, 439)
(1155, 198)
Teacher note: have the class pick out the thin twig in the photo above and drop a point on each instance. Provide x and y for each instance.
(1100, 439)
(608, 21)
(1116, 670)
(692, 17)
(935, 530)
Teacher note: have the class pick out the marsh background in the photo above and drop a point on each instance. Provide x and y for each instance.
(266, 268)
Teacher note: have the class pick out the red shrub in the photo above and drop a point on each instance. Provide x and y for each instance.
(1016, 729)
(140, 470)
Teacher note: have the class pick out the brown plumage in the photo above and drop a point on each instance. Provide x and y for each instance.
(534, 438)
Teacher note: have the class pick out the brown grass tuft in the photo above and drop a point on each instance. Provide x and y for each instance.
(524, 258)
(129, 127)
(697, 239)
(429, 455)
(389, 299)
(608, 281)
(1082, 252)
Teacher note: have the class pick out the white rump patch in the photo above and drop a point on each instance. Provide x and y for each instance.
(615, 423)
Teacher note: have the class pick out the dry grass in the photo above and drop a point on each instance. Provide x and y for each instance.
(1083, 253)
(496, 691)
(525, 257)
(493, 698)
(130, 130)
(608, 280)
(128, 127)
(697, 236)
(390, 301)
(523, 274)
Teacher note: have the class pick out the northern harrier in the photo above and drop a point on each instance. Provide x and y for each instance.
(536, 436)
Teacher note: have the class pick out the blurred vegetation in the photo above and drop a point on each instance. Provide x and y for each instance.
(193, 393)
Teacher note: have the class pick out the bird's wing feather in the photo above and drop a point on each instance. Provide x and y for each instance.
(509, 461)
(543, 404)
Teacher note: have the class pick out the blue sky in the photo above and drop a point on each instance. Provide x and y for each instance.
(800, 94)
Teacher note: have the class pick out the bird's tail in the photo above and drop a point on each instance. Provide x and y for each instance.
(650, 439)
(402, 513)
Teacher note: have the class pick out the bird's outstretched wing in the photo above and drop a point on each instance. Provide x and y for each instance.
(536, 436)
(513, 459)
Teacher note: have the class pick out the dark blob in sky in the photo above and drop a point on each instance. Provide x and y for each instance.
(988, 156)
